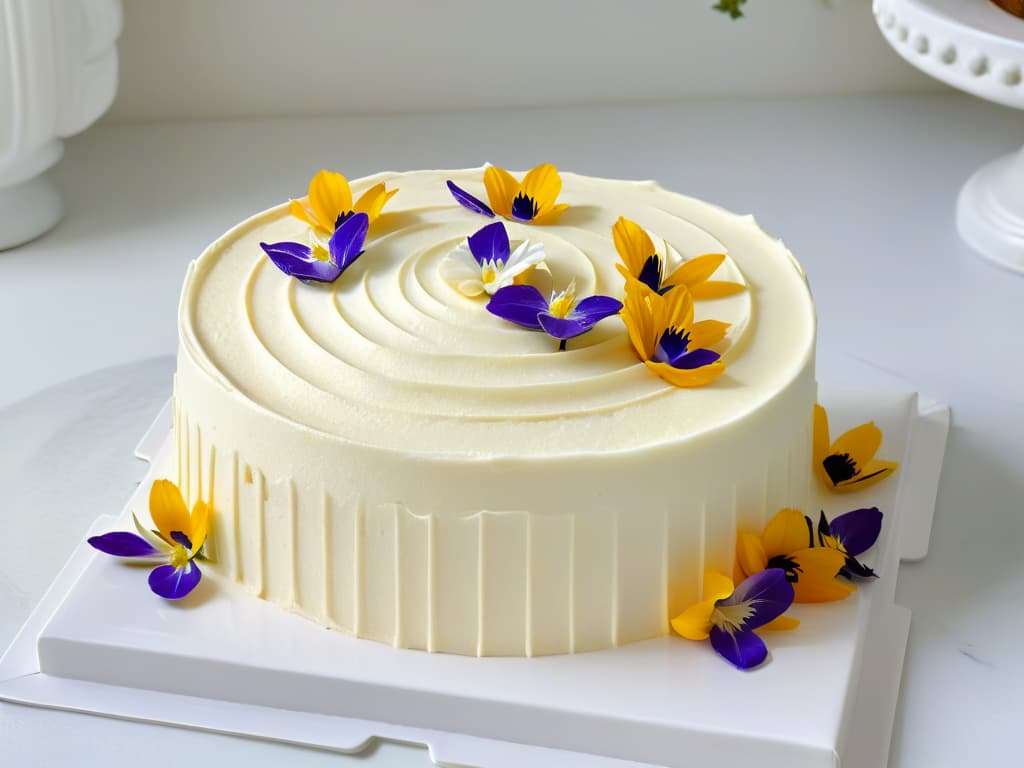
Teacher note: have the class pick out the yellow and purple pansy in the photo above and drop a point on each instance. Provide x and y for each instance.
(849, 463)
(177, 541)
(337, 229)
(666, 338)
(329, 202)
(485, 263)
(564, 316)
(533, 201)
(851, 533)
(729, 615)
(788, 542)
(642, 261)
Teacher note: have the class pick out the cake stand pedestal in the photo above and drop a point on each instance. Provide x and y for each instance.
(978, 48)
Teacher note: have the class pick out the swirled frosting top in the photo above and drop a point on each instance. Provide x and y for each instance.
(392, 355)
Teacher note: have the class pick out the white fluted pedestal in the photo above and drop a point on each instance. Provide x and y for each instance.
(979, 48)
(990, 211)
(58, 74)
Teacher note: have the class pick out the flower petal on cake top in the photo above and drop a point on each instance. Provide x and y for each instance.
(483, 263)
(849, 463)
(177, 541)
(562, 317)
(533, 201)
(729, 616)
(788, 543)
(667, 340)
(319, 263)
(329, 202)
(643, 262)
(466, 200)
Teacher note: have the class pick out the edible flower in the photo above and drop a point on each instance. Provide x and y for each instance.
(531, 201)
(730, 615)
(849, 463)
(667, 340)
(329, 202)
(178, 539)
(641, 260)
(788, 543)
(319, 261)
(852, 533)
(485, 263)
(564, 316)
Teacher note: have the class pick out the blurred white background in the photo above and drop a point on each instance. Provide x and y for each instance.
(233, 58)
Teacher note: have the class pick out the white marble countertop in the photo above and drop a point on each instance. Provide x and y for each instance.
(862, 190)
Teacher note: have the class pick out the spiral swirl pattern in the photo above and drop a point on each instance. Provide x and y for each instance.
(392, 355)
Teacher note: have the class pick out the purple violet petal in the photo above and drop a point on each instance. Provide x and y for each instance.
(742, 649)
(672, 345)
(466, 200)
(346, 244)
(695, 358)
(593, 309)
(174, 583)
(858, 530)
(123, 544)
(519, 304)
(490, 243)
(650, 273)
(767, 593)
(297, 260)
(181, 538)
(563, 327)
(524, 208)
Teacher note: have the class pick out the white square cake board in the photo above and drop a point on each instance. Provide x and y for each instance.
(100, 642)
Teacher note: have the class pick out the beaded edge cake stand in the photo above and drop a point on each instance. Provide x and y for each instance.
(100, 643)
(978, 48)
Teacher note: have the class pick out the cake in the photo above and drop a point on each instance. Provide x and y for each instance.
(387, 457)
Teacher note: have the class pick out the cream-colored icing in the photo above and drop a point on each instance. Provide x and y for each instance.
(426, 474)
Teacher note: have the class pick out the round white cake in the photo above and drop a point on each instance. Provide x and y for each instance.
(387, 457)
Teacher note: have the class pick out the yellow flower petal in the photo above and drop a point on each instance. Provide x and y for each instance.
(821, 440)
(501, 189)
(638, 315)
(781, 624)
(696, 270)
(870, 474)
(716, 289)
(167, 509)
(691, 377)
(633, 245)
(860, 443)
(816, 577)
(300, 210)
(695, 622)
(543, 185)
(329, 196)
(550, 216)
(200, 523)
(786, 533)
(678, 309)
(717, 586)
(750, 556)
(705, 333)
(372, 201)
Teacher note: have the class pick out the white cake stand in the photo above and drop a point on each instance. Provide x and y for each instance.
(977, 47)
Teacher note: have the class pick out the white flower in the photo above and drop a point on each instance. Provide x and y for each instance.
(473, 278)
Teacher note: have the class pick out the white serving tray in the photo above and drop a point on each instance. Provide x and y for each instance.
(228, 662)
